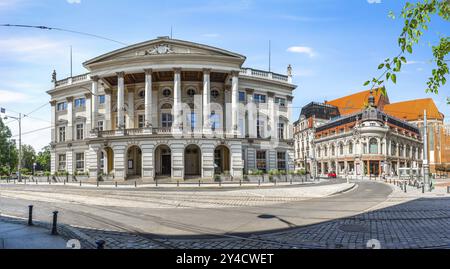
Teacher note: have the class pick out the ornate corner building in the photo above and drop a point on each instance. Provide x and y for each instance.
(171, 109)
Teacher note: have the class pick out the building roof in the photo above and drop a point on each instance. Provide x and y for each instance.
(356, 102)
(320, 111)
(413, 109)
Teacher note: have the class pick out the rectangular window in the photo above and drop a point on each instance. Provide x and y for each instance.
(61, 106)
(241, 127)
(259, 98)
(241, 96)
(215, 121)
(166, 120)
(192, 119)
(101, 99)
(280, 101)
(79, 157)
(80, 132)
(62, 134)
(260, 128)
(281, 131)
(141, 121)
(80, 102)
(100, 125)
(281, 161)
(62, 162)
(261, 160)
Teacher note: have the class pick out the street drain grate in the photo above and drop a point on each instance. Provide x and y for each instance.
(353, 228)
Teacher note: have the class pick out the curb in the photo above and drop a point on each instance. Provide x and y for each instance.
(350, 188)
(65, 231)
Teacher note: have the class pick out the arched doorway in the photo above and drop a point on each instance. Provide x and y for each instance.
(163, 161)
(221, 160)
(107, 160)
(192, 161)
(134, 162)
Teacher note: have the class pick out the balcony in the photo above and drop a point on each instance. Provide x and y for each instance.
(72, 80)
(162, 132)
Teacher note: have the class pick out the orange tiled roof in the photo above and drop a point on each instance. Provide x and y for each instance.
(355, 102)
(413, 109)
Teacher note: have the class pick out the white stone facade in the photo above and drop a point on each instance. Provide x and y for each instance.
(174, 109)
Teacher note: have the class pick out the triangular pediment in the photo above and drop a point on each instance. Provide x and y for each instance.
(163, 46)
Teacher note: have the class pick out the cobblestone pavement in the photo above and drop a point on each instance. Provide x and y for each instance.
(405, 220)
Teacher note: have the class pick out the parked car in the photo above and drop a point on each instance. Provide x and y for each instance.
(332, 175)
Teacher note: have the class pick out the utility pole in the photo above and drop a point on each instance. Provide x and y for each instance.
(426, 167)
(19, 165)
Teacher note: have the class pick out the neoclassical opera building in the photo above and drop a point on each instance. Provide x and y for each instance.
(172, 109)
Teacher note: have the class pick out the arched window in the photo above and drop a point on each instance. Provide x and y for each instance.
(373, 146)
(141, 94)
(325, 151)
(191, 92)
(350, 148)
(393, 149)
(318, 152)
(333, 150)
(214, 93)
(341, 149)
(408, 151)
(401, 150)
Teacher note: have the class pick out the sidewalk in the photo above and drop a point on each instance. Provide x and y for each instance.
(21, 236)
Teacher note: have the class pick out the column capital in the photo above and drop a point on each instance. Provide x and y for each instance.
(235, 73)
(177, 69)
(88, 95)
(120, 74)
(249, 91)
(289, 97)
(95, 78)
(148, 71)
(69, 99)
(270, 94)
(206, 71)
(53, 102)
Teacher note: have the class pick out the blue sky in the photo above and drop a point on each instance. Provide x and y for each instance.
(333, 46)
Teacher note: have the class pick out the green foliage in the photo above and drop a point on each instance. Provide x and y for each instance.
(417, 17)
(43, 159)
(28, 157)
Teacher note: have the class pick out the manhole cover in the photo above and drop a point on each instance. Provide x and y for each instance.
(353, 228)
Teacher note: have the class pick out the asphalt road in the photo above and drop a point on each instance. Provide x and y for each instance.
(232, 215)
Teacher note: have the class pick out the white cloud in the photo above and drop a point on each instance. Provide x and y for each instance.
(4, 4)
(300, 49)
(414, 62)
(7, 97)
(74, 1)
(374, 1)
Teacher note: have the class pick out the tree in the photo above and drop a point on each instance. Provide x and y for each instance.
(28, 157)
(43, 159)
(417, 18)
(8, 152)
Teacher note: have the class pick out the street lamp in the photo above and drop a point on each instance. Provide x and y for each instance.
(19, 165)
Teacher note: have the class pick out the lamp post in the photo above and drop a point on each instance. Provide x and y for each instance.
(19, 165)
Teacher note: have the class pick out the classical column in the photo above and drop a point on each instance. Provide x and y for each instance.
(176, 98)
(272, 121)
(130, 123)
(120, 99)
(148, 98)
(206, 100)
(108, 94)
(69, 131)
(94, 104)
(234, 101)
(88, 97)
(290, 132)
(251, 114)
(53, 134)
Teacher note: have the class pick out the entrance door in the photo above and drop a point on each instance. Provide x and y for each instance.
(374, 168)
(192, 161)
(165, 165)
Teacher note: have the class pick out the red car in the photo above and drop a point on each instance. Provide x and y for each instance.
(332, 175)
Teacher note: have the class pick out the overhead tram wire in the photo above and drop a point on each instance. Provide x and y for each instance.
(42, 27)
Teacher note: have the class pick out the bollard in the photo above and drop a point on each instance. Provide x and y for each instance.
(156, 182)
(14, 181)
(30, 215)
(199, 183)
(100, 244)
(116, 184)
(135, 184)
(97, 184)
(178, 183)
(448, 189)
(291, 181)
(240, 183)
(55, 220)
(64, 183)
(220, 183)
(275, 182)
(25, 181)
(405, 187)
(36, 182)
(423, 188)
(80, 183)
(259, 182)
